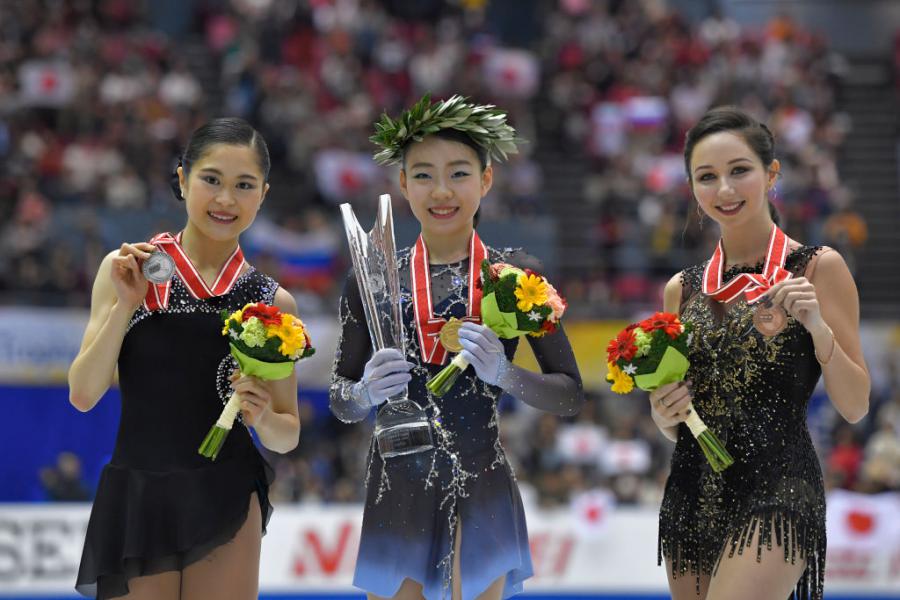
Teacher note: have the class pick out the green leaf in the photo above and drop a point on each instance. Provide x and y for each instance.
(484, 124)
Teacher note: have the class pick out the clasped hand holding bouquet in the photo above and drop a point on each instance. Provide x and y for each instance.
(266, 343)
(651, 354)
(514, 302)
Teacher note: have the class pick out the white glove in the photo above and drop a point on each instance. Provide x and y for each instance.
(385, 375)
(484, 351)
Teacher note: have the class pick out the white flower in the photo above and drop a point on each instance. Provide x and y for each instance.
(690, 338)
(534, 316)
(629, 369)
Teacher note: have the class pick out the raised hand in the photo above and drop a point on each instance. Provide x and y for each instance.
(798, 297)
(130, 284)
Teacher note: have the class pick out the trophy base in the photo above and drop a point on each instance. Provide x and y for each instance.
(404, 439)
(402, 428)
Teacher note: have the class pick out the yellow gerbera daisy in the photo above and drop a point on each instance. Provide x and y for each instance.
(291, 334)
(622, 381)
(237, 316)
(531, 290)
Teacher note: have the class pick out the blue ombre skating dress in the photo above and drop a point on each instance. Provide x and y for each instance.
(414, 502)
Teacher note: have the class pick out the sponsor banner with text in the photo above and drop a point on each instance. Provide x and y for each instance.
(590, 548)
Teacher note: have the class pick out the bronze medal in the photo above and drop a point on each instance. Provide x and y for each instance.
(449, 335)
(769, 320)
(159, 268)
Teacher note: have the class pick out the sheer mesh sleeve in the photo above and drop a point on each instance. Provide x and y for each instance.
(353, 350)
(558, 388)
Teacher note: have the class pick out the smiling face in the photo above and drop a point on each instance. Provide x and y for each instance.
(729, 180)
(444, 184)
(223, 191)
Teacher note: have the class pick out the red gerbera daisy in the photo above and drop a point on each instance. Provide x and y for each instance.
(269, 315)
(668, 322)
(622, 346)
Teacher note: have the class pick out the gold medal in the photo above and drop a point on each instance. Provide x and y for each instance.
(449, 335)
(769, 319)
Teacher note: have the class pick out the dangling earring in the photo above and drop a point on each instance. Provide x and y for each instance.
(773, 189)
(701, 216)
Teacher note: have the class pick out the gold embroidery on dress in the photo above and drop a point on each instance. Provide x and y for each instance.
(753, 392)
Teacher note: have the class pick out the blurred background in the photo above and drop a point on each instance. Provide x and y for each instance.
(98, 96)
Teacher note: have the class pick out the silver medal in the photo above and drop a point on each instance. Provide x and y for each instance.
(159, 268)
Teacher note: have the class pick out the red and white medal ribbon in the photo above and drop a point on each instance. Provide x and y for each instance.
(428, 327)
(158, 294)
(752, 285)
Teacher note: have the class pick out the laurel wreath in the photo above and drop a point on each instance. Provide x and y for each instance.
(484, 123)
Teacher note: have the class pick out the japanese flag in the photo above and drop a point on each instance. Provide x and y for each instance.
(591, 512)
(46, 83)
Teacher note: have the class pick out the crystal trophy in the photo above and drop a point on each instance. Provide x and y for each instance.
(401, 425)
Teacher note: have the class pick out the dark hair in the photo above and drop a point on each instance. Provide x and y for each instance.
(227, 130)
(729, 118)
(455, 135)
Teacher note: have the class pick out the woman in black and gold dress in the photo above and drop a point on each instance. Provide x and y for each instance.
(167, 523)
(770, 317)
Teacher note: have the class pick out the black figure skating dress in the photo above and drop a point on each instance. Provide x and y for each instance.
(160, 505)
(753, 392)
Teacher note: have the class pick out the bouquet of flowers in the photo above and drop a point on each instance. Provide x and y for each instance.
(653, 353)
(514, 302)
(266, 343)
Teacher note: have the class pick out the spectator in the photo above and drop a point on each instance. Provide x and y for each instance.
(62, 482)
(881, 467)
(846, 457)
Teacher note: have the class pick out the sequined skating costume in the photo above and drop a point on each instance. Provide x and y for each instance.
(753, 392)
(160, 506)
(413, 502)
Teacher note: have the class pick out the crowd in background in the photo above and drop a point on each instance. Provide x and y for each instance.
(96, 99)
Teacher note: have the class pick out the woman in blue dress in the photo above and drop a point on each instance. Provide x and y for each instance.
(447, 522)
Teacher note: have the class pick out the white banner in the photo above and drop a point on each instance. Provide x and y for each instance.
(37, 345)
(316, 549)
(592, 548)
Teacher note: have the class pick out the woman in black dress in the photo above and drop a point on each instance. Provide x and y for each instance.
(168, 523)
(447, 522)
(770, 315)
